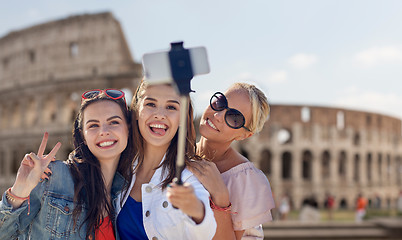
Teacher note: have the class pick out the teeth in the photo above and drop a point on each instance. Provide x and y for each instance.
(158, 126)
(211, 124)
(106, 144)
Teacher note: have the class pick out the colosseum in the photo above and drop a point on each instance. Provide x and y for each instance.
(309, 151)
(44, 69)
(304, 150)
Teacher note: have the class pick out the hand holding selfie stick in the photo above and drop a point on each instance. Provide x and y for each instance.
(179, 65)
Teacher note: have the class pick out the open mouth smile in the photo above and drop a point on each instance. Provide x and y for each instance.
(158, 128)
(209, 123)
(107, 143)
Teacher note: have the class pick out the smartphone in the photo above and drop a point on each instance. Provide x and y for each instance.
(157, 68)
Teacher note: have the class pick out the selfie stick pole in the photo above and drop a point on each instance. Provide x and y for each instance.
(182, 73)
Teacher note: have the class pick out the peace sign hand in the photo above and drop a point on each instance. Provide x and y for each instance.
(31, 169)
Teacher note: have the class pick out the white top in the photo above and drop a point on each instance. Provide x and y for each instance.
(251, 197)
(162, 221)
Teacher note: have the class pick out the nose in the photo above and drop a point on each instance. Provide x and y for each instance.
(220, 115)
(104, 130)
(160, 113)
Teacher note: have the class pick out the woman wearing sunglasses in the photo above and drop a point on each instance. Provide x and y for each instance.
(78, 201)
(156, 208)
(241, 195)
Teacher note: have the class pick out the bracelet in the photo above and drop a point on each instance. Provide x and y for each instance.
(12, 198)
(224, 209)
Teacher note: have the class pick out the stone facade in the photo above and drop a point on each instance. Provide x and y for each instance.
(44, 69)
(310, 151)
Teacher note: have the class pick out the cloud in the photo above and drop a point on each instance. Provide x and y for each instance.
(379, 55)
(302, 61)
(279, 76)
(383, 103)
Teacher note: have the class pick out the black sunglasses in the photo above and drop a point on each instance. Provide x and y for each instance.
(233, 118)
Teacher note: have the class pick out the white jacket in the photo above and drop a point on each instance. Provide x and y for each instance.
(162, 221)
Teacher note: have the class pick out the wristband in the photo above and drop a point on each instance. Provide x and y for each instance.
(12, 198)
(224, 209)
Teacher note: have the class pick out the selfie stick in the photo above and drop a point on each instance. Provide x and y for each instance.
(182, 73)
(182, 65)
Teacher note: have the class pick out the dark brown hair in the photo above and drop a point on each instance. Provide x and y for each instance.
(89, 188)
(169, 164)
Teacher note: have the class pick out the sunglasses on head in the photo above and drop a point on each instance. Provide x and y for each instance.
(111, 93)
(233, 118)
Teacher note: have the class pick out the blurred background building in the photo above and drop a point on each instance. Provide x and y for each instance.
(310, 152)
(44, 69)
(306, 151)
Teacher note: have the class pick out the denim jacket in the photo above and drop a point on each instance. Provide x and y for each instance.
(50, 215)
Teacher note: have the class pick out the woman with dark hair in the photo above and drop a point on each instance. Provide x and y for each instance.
(157, 208)
(79, 200)
(241, 196)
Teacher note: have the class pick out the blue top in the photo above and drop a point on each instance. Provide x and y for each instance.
(129, 221)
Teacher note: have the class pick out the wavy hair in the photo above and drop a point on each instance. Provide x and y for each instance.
(89, 188)
(169, 164)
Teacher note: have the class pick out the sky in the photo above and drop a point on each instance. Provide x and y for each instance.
(334, 53)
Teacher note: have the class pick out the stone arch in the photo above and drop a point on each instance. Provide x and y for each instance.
(342, 164)
(16, 160)
(356, 139)
(16, 115)
(287, 165)
(398, 170)
(49, 110)
(388, 169)
(356, 168)
(70, 110)
(266, 161)
(369, 167)
(325, 164)
(307, 160)
(379, 167)
(31, 117)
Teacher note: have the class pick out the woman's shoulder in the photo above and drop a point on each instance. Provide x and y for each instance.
(244, 169)
(60, 179)
(59, 168)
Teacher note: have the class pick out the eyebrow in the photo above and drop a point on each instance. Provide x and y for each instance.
(170, 101)
(96, 121)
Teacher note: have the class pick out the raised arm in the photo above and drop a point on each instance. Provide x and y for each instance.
(28, 175)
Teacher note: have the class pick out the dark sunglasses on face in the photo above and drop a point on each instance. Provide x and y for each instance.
(111, 93)
(233, 117)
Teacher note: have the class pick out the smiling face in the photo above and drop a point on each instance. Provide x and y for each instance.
(158, 115)
(213, 126)
(105, 130)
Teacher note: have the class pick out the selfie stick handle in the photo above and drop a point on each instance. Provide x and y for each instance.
(182, 73)
(181, 147)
